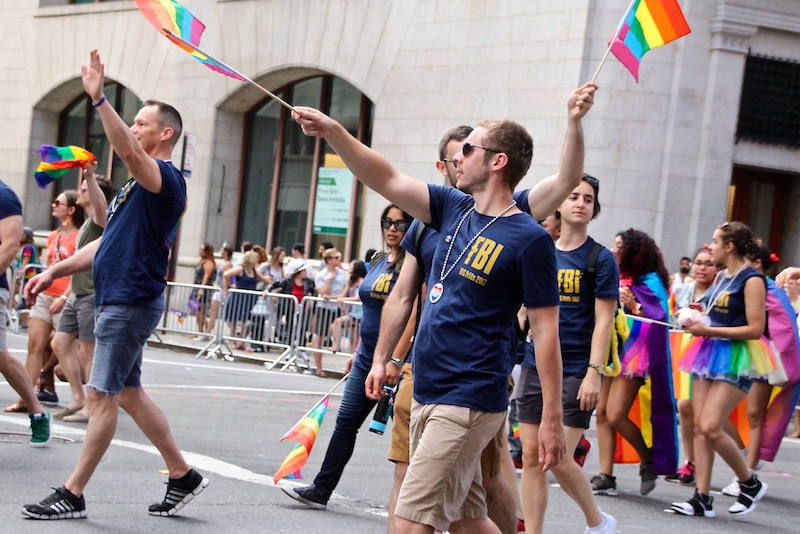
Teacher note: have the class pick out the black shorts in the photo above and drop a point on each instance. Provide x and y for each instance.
(529, 400)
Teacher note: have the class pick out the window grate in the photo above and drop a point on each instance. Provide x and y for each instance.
(769, 110)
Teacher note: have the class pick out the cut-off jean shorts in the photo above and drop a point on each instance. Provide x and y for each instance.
(120, 335)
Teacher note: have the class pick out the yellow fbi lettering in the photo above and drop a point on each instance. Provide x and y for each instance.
(483, 255)
(569, 284)
(381, 285)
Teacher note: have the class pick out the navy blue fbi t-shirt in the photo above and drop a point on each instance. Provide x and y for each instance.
(576, 312)
(727, 297)
(463, 349)
(374, 291)
(9, 206)
(131, 263)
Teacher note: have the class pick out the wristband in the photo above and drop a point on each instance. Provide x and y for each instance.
(99, 102)
(398, 363)
(64, 297)
(597, 367)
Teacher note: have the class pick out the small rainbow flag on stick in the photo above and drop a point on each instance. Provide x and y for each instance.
(646, 24)
(58, 160)
(305, 433)
(182, 28)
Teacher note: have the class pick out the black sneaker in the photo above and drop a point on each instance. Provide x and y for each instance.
(307, 495)
(649, 480)
(48, 398)
(179, 492)
(699, 505)
(750, 493)
(603, 484)
(61, 504)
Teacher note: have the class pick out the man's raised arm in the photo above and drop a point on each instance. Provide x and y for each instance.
(143, 167)
(546, 196)
(369, 167)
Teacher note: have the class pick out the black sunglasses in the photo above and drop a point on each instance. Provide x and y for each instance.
(467, 148)
(401, 226)
(591, 180)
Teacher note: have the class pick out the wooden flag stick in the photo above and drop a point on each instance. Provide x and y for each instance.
(613, 40)
(646, 320)
(191, 47)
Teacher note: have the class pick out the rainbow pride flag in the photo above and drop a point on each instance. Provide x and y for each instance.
(172, 16)
(58, 160)
(646, 25)
(646, 352)
(182, 28)
(305, 433)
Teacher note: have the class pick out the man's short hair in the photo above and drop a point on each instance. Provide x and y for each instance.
(329, 253)
(514, 141)
(459, 133)
(326, 245)
(300, 248)
(168, 117)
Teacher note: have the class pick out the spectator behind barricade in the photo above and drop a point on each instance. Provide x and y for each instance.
(225, 252)
(351, 318)
(295, 283)
(273, 268)
(46, 311)
(368, 257)
(683, 275)
(238, 305)
(27, 255)
(325, 245)
(262, 255)
(330, 281)
(299, 252)
(203, 275)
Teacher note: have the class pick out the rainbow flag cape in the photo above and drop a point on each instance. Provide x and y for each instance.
(305, 433)
(654, 409)
(58, 160)
(783, 332)
(646, 25)
(681, 382)
(182, 28)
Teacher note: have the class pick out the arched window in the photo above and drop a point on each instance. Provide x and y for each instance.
(294, 188)
(80, 125)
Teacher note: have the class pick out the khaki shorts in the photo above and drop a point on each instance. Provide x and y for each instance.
(443, 482)
(41, 310)
(398, 451)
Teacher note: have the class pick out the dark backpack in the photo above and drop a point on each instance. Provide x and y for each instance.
(591, 281)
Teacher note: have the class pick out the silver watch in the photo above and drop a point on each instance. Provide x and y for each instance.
(398, 363)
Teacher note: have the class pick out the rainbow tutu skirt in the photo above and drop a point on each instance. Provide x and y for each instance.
(727, 359)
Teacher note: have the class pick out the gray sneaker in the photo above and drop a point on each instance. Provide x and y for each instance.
(603, 484)
(40, 429)
(648, 478)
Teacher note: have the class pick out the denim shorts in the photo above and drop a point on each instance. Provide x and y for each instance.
(120, 335)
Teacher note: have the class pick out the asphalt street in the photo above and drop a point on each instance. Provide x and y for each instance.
(228, 417)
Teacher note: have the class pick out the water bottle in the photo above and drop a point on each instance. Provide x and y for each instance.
(382, 411)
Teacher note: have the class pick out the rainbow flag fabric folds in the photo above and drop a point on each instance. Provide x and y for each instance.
(182, 28)
(305, 433)
(648, 349)
(58, 160)
(647, 24)
(172, 16)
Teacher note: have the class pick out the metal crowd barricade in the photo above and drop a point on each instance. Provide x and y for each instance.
(257, 324)
(327, 327)
(182, 306)
(14, 292)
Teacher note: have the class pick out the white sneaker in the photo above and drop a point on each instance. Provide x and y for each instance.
(608, 526)
(731, 489)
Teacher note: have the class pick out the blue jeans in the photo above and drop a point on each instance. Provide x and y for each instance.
(120, 335)
(353, 411)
